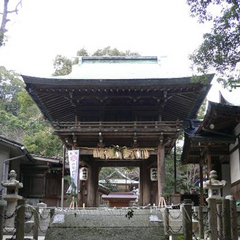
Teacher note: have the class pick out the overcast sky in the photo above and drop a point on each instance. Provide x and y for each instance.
(45, 28)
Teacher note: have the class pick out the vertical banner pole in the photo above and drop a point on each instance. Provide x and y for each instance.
(175, 168)
(63, 173)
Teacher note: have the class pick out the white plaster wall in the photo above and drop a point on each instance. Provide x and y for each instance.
(226, 177)
(4, 154)
(234, 159)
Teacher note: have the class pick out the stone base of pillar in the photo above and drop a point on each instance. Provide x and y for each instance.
(175, 198)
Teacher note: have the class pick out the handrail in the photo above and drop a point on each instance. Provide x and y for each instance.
(104, 125)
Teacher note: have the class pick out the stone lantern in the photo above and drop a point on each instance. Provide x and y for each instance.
(12, 196)
(214, 186)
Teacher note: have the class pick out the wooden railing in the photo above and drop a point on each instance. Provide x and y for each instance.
(124, 126)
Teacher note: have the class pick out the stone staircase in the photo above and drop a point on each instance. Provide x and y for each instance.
(104, 224)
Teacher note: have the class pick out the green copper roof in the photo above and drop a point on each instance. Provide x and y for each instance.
(117, 68)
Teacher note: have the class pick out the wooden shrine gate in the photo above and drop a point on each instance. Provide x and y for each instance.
(120, 101)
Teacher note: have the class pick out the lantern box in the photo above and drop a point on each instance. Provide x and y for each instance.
(153, 174)
(83, 174)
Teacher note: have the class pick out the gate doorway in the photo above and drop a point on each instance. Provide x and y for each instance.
(123, 185)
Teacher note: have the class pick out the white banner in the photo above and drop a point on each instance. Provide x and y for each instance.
(73, 159)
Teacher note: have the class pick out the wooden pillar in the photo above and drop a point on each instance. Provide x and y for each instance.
(140, 200)
(63, 174)
(92, 184)
(98, 194)
(201, 182)
(209, 162)
(161, 173)
(146, 184)
(80, 193)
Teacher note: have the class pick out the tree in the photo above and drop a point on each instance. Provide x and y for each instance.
(21, 120)
(10, 86)
(62, 66)
(187, 175)
(202, 110)
(108, 51)
(5, 19)
(82, 52)
(220, 48)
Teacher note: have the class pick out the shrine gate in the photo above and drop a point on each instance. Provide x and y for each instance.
(119, 111)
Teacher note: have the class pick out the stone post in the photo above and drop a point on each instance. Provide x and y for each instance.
(226, 220)
(2, 205)
(166, 223)
(233, 213)
(187, 219)
(212, 218)
(20, 220)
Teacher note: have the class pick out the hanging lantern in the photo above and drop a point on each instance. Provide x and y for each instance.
(153, 174)
(83, 175)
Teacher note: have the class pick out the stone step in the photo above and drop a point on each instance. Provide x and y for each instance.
(106, 224)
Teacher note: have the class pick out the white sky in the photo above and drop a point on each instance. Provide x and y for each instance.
(45, 28)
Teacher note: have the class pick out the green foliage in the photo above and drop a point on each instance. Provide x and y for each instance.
(43, 142)
(2, 38)
(11, 127)
(220, 48)
(108, 51)
(187, 175)
(10, 86)
(21, 120)
(181, 237)
(62, 66)
(202, 110)
(73, 192)
(82, 52)
(103, 175)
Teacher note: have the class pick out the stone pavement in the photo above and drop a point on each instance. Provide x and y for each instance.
(9, 237)
(104, 224)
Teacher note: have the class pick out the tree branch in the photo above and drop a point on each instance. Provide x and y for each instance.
(4, 14)
(16, 8)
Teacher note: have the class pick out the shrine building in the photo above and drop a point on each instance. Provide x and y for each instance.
(121, 112)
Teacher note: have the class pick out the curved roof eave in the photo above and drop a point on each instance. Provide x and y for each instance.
(105, 82)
